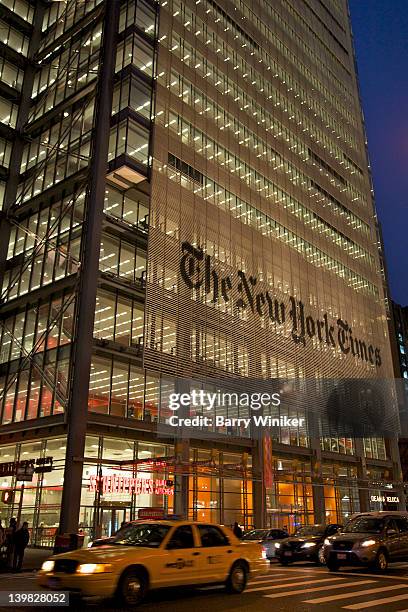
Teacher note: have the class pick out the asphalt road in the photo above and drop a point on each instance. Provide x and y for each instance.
(300, 587)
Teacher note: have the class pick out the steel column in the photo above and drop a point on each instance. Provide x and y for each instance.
(91, 240)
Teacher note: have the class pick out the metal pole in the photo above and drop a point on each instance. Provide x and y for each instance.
(20, 505)
(91, 239)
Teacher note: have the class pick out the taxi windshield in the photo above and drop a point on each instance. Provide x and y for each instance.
(365, 524)
(144, 534)
(255, 534)
(310, 530)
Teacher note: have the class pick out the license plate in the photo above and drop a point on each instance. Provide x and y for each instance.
(288, 553)
(53, 583)
(341, 556)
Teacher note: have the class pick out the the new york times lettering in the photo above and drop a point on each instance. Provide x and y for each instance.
(197, 271)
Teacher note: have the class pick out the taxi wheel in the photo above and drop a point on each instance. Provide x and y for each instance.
(132, 587)
(237, 578)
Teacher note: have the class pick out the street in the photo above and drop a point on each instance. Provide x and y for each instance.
(301, 587)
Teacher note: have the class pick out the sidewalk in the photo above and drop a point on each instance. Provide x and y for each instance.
(33, 559)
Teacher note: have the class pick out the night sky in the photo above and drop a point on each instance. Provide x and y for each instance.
(380, 30)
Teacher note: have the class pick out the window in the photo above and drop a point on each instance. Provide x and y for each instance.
(8, 112)
(133, 93)
(277, 534)
(22, 8)
(137, 52)
(147, 535)
(123, 259)
(131, 139)
(181, 538)
(332, 529)
(402, 524)
(11, 75)
(212, 536)
(365, 524)
(13, 38)
(392, 525)
(5, 152)
(139, 13)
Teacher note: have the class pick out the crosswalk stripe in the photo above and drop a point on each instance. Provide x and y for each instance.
(264, 575)
(355, 594)
(377, 602)
(327, 587)
(25, 575)
(350, 572)
(277, 586)
(280, 580)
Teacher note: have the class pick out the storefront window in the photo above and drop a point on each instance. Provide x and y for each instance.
(8, 454)
(340, 492)
(289, 502)
(41, 496)
(382, 495)
(106, 506)
(224, 493)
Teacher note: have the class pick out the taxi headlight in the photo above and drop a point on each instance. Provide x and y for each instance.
(368, 543)
(94, 568)
(47, 566)
(277, 544)
(327, 542)
(308, 544)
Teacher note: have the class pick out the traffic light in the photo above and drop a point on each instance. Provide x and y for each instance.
(7, 497)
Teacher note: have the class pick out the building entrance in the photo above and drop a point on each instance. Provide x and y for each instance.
(112, 516)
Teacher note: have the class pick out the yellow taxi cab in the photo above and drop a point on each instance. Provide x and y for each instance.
(148, 555)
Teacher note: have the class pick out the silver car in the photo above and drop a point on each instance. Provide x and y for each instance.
(268, 538)
(371, 539)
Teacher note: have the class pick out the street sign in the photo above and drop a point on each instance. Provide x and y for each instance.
(151, 513)
(25, 472)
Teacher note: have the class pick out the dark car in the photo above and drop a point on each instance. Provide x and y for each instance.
(372, 539)
(306, 544)
(269, 538)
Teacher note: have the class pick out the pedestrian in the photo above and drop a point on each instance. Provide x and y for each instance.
(21, 539)
(9, 542)
(237, 530)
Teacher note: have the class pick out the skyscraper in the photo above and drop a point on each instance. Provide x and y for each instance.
(186, 195)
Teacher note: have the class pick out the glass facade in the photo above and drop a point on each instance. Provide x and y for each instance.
(239, 133)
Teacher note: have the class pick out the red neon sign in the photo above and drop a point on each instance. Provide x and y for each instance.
(116, 483)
